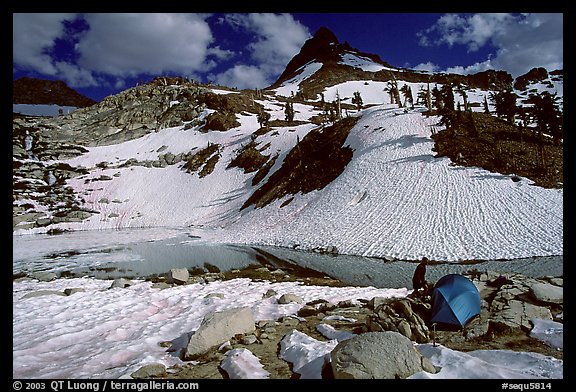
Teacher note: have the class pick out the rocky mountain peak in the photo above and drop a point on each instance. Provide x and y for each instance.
(324, 36)
(320, 47)
(27, 90)
(325, 48)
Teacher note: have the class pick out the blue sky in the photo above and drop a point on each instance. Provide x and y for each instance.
(99, 54)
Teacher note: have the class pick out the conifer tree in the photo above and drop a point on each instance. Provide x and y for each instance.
(464, 96)
(447, 97)
(357, 100)
(392, 89)
(263, 118)
(486, 108)
(548, 116)
(289, 111)
(407, 91)
(505, 103)
(437, 98)
(429, 99)
(338, 106)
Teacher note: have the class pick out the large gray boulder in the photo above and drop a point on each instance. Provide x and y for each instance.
(546, 292)
(178, 276)
(378, 355)
(218, 327)
(288, 298)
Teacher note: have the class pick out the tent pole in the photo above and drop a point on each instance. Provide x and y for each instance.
(433, 334)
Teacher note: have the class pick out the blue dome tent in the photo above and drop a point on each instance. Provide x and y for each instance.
(455, 301)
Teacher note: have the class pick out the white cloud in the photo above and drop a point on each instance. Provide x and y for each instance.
(32, 36)
(521, 42)
(220, 54)
(120, 45)
(243, 77)
(131, 44)
(471, 69)
(474, 31)
(74, 75)
(277, 38)
(429, 66)
(536, 41)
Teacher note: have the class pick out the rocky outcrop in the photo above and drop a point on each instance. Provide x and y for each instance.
(131, 114)
(313, 163)
(304, 345)
(40, 194)
(534, 75)
(398, 316)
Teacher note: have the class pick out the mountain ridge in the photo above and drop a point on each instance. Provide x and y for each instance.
(325, 49)
(35, 91)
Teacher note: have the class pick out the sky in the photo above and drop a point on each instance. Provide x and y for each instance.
(99, 54)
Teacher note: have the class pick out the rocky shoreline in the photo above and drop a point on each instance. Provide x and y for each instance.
(509, 303)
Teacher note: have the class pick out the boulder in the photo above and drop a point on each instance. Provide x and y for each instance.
(399, 316)
(154, 370)
(378, 355)
(41, 293)
(121, 283)
(269, 293)
(546, 292)
(74, 290)
(43, 276)
(178, 276)
(218, 327)
(287, 298)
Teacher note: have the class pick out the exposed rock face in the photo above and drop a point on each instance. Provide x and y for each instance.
(532, 76)
(317, 160)
(131, 114)
(39, 91)
(378, 355)
(216, 328)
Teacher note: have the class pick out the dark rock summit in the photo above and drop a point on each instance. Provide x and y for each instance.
(325, 48)
(28, 90)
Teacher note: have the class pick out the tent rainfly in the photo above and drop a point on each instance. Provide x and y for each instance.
(455, 301)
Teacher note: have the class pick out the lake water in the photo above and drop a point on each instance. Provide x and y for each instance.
(140, 253)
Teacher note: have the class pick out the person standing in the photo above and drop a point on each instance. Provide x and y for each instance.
(419, 278)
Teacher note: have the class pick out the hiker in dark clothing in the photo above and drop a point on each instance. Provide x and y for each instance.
(419, 280)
